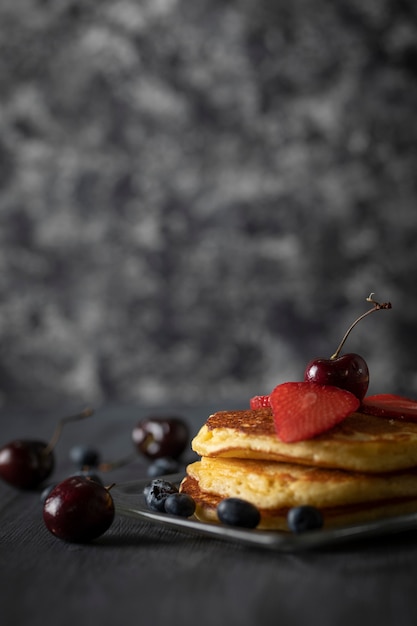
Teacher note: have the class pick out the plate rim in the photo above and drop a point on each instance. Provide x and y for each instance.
(130, 502)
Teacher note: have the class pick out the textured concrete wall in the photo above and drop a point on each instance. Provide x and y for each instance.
(197, 197)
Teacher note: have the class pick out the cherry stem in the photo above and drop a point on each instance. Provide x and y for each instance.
(60, 426)
(376, 307)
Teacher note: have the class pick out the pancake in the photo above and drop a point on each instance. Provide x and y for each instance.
(361, 443)
(273, 487)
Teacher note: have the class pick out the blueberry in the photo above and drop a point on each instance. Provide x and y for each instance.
(179, 504)
(146, 490)
(301, 519)
(238, 512)
(85, 456)
(163, 466)
(157, 492)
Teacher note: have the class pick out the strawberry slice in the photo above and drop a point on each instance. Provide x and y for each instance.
(259, 402)
(390, 405)
(303, 410)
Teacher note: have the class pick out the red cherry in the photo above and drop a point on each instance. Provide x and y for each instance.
(157, 437)
(349, 371)
(25, 464)
(78, 510)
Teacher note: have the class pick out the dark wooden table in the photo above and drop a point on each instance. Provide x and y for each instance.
(142, 573)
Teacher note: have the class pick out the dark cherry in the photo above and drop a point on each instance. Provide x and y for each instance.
(347, 371)
(78, 510)
(157, 437)
(25, 463)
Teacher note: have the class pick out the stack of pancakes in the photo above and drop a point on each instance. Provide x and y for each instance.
(362, 469)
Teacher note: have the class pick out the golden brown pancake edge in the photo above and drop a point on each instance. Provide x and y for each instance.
(361, 442)
(276, 518)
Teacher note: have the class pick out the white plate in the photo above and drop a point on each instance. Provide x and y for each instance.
(129, 501)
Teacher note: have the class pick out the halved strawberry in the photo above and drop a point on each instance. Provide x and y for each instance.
(259, 402)
(390, 405)
(303, 410)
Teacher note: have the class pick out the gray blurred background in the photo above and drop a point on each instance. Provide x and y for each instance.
(196, 197)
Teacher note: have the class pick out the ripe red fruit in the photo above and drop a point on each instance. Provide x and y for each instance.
(26, 463)
(78, 510)
(157, 437)
(390, 405)
(303, 410)
(259, 402)
(348, 371)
